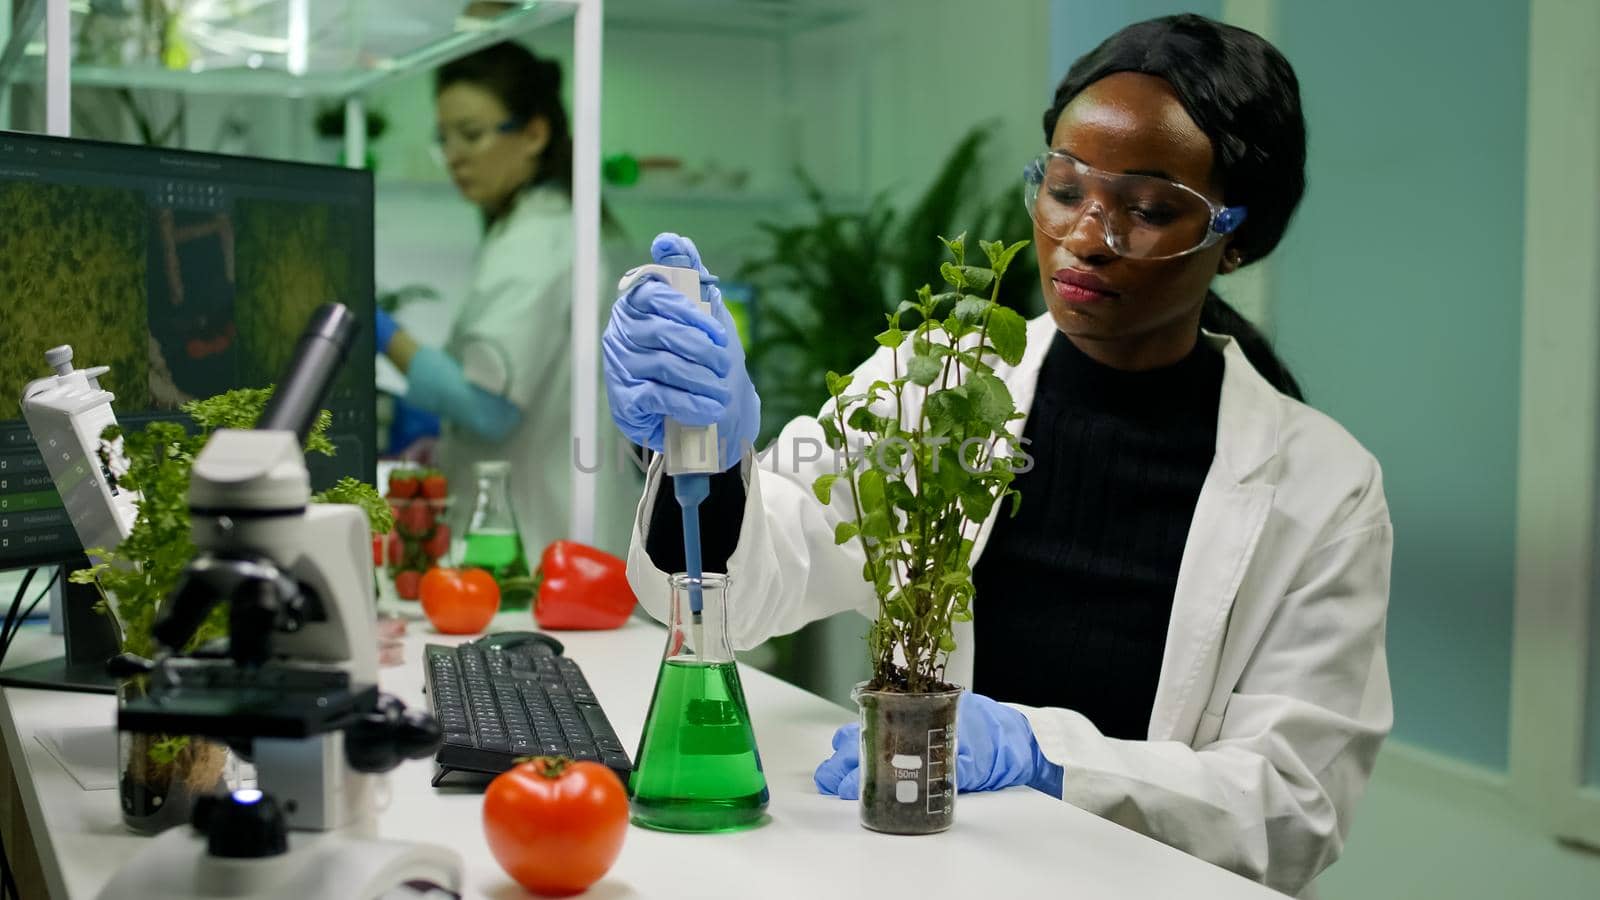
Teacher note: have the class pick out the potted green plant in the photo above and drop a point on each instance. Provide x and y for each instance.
(826, 282)
(162, 774)
(926, 456)
(330, 127)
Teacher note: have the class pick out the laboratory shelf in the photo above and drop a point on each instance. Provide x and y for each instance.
(301, 48)
(714, 199)
(282, 48)
(737, 18)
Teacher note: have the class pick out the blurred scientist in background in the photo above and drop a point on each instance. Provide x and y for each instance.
(501, 384)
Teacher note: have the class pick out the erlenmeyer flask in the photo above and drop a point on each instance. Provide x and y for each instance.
(698, 768)
(493, 540)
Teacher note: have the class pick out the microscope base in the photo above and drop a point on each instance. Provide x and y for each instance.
(333, 865)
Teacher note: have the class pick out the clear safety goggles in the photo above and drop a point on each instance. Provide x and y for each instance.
(470, 138)
(1142, 216)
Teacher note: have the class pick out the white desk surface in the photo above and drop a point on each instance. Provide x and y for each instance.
(1012, 843)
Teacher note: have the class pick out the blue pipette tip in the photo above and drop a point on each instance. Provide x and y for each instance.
(691, 490)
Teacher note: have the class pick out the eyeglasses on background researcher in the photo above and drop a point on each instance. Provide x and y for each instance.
(470, 136)
(1142, 216)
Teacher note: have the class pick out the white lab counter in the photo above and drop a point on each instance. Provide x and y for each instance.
(1012, 843)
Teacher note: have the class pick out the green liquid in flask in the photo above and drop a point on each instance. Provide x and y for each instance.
(698, 768)
(500, 552)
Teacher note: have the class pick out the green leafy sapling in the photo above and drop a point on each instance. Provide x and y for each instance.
(136, 576)
(933, 460)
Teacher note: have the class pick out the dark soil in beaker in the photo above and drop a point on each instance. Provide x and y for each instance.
(908, 758)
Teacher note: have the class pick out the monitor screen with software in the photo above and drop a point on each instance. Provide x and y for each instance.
(188, 274)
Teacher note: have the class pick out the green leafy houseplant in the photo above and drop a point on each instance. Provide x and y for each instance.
(843, 267)
(932, 458)
(138, 574)
(934, 461)
(828, 280)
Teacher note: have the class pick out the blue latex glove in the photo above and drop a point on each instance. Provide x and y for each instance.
(385, 331)
(410, 424)
(995, 749)
(665, 358)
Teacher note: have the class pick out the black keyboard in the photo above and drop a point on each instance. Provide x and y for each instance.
(507, 696)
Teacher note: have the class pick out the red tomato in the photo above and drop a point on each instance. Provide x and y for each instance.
(460, 601)
(415, 518)
(437, 546)
(554, 825)
(402, 485)
(435, 487)
(406, 584)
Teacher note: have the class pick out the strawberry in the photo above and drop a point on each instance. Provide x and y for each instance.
(395, 547)
(403, 484)
(439, 544)
(407, 584)
(377, 550)
(435, 487)
(416, 518)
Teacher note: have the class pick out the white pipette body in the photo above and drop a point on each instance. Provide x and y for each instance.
(691, 451)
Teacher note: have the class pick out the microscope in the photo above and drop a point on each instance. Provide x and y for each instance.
(293, 687)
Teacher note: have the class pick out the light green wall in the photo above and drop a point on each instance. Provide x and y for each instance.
(1078, 26)
(1397, 300)
(1593, 774)
(884, 99)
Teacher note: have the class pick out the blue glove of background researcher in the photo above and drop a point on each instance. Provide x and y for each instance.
(995, 749)
(385, 331)
(664, 358)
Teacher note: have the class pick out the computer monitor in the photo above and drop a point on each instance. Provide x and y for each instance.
(188, 274)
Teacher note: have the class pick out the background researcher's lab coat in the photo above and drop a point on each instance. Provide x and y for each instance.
(1274, 689)
(512, 337)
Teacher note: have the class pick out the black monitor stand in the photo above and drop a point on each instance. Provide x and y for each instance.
(91, 640)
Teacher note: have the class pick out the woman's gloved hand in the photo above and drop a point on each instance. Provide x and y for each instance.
(665, 358)
(385, 331)
(995, 749)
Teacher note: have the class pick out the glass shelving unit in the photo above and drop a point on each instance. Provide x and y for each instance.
(774, 19)
(280, 48)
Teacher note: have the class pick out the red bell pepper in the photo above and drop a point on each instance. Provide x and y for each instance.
(581, 588)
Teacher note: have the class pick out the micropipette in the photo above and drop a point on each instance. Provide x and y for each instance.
(690, 450)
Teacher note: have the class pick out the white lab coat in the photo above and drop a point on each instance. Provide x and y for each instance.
(1274, 688)
(512, 337)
